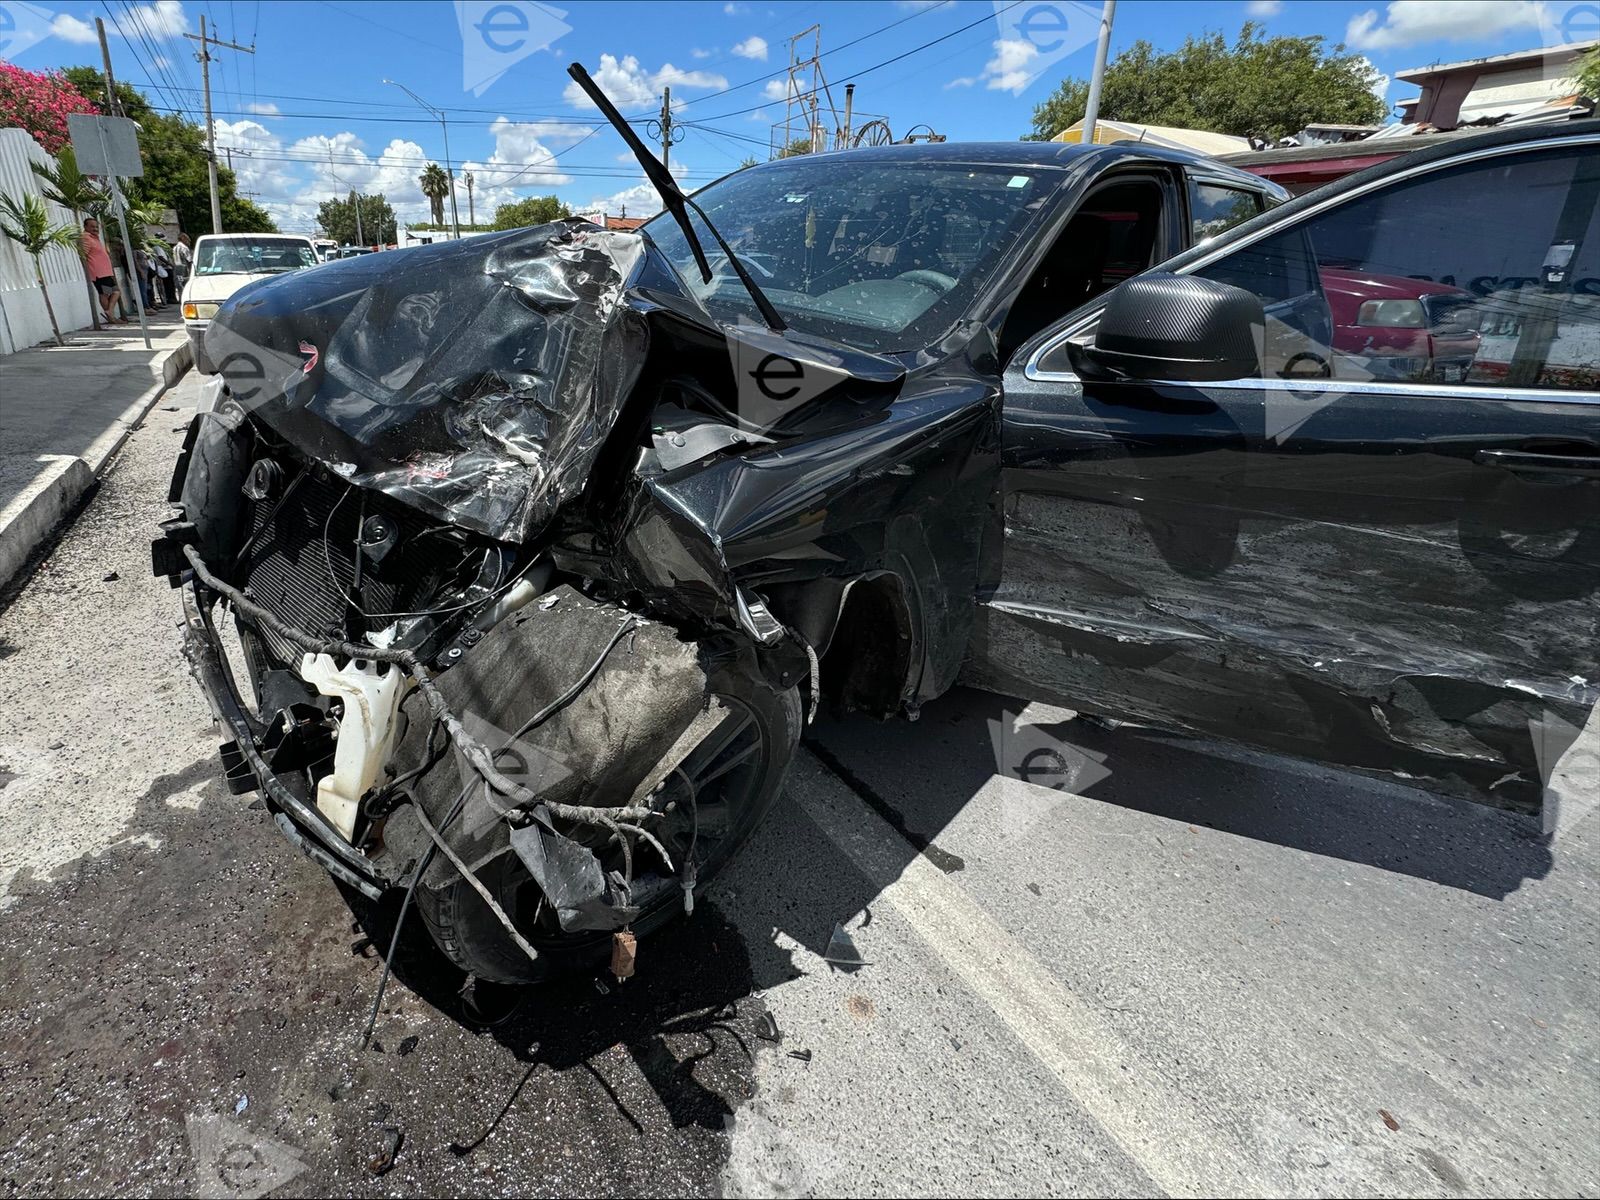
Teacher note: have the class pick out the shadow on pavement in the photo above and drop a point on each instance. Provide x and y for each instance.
(920, 775)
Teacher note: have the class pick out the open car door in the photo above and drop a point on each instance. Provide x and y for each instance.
(1333, 488)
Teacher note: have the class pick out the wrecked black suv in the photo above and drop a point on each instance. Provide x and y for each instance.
(542, 547)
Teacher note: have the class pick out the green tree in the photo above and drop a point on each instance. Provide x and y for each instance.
(435, 185)
(1589, 75)
(174, 153)
(1263, 87)
(535, 210)
(62, 182)
(338, 218)
(797, 147)
(749, 161)
(27, 223)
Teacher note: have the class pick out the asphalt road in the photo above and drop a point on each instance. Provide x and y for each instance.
(1200, 972)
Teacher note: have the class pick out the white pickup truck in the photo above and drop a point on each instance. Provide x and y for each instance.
(224, 263)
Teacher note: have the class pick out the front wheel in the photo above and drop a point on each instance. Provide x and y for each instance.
(712, 803)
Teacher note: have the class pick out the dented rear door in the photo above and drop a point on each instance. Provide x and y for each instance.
(1394, 574)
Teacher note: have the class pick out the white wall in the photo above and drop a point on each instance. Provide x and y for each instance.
(23, 319)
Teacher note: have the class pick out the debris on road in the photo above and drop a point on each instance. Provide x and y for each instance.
(110, 577)
(407, 1045)
(767, 1028)
(390, 1141)
(624, 950)
(842, 950)
(243, 1103)
(802, 1055)
(1394, 1126)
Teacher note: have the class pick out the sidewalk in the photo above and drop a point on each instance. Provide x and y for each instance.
(64, 411)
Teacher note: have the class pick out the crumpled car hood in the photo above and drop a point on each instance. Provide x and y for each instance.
(474, 380)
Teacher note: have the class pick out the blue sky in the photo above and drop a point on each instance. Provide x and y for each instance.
(313, 89)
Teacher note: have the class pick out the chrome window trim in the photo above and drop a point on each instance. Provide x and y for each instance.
(1374, 387)
(1031, 370)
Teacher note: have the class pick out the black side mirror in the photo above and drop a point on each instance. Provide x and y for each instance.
(1159, 326)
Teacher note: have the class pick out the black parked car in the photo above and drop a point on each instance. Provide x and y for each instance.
(543, 545)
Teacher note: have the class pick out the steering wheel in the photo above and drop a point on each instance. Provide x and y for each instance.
(937, 280)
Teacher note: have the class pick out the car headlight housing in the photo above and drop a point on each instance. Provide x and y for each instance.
(1393, 314)
(198, 312)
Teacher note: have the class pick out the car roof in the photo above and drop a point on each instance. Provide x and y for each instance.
(231, 237)
(1034, 154)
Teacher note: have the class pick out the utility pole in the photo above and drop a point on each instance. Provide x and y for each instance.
(118, 204)
(206, 42)
(355, 197)
(663, 130)
(112, 107)
(472, 215)
(666, 127)
(1091, 108)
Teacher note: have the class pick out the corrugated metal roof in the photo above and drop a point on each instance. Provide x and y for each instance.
(1202, 140)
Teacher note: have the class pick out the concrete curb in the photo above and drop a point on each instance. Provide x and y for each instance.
(30, 518)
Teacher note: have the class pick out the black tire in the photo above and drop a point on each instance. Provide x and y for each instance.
(472, 937)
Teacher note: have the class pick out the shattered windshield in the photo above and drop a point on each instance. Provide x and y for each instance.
(253, 256)
(881, 256)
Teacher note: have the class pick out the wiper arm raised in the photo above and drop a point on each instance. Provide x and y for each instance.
(675, 201)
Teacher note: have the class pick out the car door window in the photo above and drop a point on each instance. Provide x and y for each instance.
(1214, 208)
(1487, 274)
(1116, 232)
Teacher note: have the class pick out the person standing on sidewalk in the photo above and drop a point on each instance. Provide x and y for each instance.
(141, 267)
(98, 261)
(182, 260)
(161, 273)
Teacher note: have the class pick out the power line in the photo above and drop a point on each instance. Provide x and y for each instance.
(836, 50)
(519, 116)
(855, 75)
(134, 50)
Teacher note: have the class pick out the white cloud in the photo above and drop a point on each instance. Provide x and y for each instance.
(672, 76)
(70, 29)
(752, 47)
(630, 86)
(641, 200)
(1377, 80)
(159, 22)
(778, 89)
(1008, 70)
(1415, 22)
(262, 108)
(964, 81)
(1263, 8)
(699, 53)
(735, 10)
(760, 114)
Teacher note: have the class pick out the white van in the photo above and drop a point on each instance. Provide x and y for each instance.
(224, 263)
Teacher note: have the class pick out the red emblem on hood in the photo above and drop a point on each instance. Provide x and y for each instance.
(308, 349)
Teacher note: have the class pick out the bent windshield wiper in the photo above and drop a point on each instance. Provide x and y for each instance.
(675, 201)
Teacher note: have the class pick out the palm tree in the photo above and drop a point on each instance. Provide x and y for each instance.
(435, 185)
(28, 224)
(63, 183)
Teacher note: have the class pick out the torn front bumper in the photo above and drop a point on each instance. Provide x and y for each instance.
(247, 764)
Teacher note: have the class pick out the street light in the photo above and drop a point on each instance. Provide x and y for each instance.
(455, 217)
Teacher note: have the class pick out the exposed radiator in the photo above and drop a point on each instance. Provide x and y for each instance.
(301, 562)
